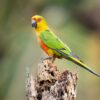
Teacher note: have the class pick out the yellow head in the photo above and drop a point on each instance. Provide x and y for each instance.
(39, 23)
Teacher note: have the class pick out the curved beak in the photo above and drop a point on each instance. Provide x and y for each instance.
(34, 24)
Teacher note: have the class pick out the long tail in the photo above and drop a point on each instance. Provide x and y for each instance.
(81, 64)
(77, 61)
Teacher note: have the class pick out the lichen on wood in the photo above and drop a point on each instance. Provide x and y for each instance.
(50, 83)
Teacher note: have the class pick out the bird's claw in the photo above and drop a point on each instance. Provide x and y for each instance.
(48, 58)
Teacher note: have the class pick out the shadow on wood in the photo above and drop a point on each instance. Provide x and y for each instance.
(51, 84)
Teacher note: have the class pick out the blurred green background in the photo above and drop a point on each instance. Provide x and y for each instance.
(76, 22)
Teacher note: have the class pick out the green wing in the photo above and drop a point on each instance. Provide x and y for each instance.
(53, 42)
(56, 44)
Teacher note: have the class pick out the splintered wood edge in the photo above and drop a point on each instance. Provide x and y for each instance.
(50, 83)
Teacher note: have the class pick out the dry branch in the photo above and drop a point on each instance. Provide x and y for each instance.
(50, 84)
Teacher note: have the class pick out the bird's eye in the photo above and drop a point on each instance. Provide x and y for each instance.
(39, 19)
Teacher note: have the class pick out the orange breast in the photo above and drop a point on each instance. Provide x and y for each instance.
(45, 48)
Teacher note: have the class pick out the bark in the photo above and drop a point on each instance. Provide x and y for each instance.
(51, 84)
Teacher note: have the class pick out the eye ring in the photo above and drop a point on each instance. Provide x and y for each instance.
(39, 19)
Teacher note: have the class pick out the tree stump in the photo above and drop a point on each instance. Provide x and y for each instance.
(50, 83)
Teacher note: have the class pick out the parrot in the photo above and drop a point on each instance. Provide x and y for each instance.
(52, 45)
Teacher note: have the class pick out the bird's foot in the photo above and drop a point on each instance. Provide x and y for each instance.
(49, 58)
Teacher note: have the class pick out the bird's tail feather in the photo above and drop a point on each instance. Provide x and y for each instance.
(81, 64)
(77, 61)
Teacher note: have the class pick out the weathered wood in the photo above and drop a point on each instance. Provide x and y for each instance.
(51, 84)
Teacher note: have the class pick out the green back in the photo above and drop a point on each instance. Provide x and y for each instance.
(53, 42)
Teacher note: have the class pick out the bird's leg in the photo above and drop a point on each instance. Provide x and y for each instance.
(49, 57)
(52, 58)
